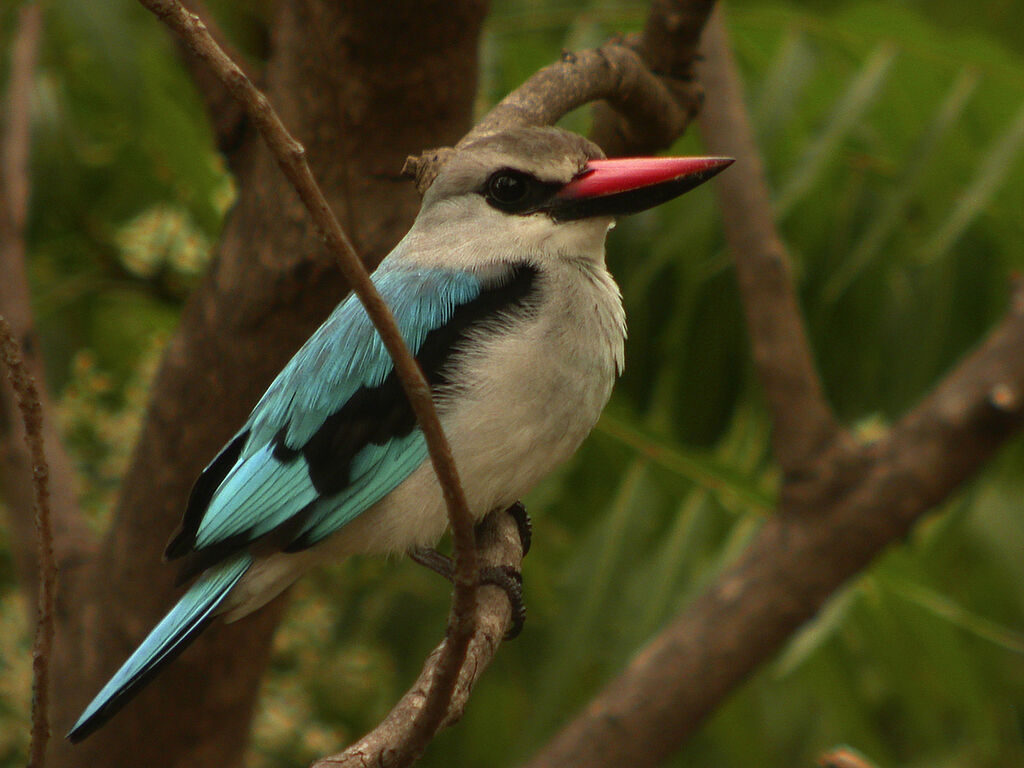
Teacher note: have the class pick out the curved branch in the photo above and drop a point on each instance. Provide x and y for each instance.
(612, 72)
(291, 158)
(804, 424)
(668, 46)
(647, 83)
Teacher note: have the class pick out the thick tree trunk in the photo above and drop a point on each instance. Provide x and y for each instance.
(362, 84)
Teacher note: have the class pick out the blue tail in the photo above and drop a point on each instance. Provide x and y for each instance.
(172, 635)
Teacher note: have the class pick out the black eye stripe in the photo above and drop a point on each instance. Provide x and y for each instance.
(517, 192)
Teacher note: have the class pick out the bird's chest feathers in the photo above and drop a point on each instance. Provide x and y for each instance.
(530, 395)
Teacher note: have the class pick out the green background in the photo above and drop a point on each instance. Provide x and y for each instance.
(892, 134)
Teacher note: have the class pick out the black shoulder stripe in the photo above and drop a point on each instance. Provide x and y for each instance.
(378, 414)
(199, 499)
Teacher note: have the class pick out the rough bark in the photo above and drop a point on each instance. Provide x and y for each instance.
(361, 85)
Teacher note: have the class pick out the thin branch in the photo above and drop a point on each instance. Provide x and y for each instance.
(226, 114)
(14, 197)
(498, 544)
(72, 537)
(291, 158)
(804, 424)
(42, 651)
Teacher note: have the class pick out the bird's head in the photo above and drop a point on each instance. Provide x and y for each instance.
(540, 194)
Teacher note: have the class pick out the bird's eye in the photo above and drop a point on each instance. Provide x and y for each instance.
(508, 189)
(517, 192)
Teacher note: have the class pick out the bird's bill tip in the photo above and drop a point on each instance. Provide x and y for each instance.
(619, 187)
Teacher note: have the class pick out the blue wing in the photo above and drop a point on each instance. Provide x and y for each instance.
(334, 433)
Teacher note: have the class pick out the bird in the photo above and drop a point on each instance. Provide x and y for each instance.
(501, 291)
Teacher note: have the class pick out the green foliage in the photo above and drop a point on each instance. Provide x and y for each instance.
(892, 135)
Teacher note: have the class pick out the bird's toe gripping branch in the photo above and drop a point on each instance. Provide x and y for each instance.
(522, 518)
(506, 577)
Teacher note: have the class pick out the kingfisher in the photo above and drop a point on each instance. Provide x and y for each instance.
(501, 291)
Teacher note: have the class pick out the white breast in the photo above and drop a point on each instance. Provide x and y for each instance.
(525, 400)
(537, 391)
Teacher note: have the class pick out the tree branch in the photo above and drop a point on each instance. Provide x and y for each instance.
(804, 424)
(498, 544)
(32, 418)
(291, 158)
(73, 541)
(864, 497)
(668, 46)
(612, 72)
(647, 82)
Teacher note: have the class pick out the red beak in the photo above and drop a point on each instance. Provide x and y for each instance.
(630, 185)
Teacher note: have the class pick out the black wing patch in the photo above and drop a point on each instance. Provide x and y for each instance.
(375, 415)
(199, 499)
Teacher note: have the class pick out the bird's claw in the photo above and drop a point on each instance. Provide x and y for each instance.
(504, 576)
(511, 581)
(522, 518)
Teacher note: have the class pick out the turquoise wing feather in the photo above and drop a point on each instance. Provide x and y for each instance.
(332, 435)
(167, 639)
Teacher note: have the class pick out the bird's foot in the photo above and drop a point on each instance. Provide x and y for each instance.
(504, 576)
(511, 580)
(522, 518)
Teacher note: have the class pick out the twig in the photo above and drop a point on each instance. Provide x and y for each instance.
(32, 417)
(804, 424)
(72, 538)
(14, 194)
(291, 158)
